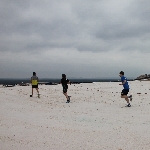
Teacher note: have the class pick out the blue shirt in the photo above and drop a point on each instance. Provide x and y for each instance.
(126, 86)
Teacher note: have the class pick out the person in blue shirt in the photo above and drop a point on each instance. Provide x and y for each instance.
(126, 88)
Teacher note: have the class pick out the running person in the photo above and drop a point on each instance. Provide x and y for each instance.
(125, 91)
(64, 83)
(34, 82)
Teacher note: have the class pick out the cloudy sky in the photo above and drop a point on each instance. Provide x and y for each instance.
(81, 38)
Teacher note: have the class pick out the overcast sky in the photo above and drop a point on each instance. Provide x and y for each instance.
(81, 38)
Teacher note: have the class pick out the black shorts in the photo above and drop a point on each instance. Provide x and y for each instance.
(34, 86)
(125, 92)
(65, 87)
(64, 90)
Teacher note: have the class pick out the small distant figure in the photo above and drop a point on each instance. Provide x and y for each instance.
(34, 82)
(64, 83)
(125, 91)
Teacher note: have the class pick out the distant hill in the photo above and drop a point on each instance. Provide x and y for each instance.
(141, 77)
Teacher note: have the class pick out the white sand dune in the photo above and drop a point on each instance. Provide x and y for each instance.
(96, 118)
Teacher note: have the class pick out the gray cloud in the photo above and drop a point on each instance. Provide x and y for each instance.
(40, 27)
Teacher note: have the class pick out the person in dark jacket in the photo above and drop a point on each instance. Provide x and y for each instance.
(65, 83)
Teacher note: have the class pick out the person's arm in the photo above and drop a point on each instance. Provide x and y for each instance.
(68, 82)
(123, 82)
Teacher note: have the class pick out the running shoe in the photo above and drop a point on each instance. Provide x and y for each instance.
(129, 105)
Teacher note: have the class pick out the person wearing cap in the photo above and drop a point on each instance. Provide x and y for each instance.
(125, 90)
(34, 81)
(64, 83)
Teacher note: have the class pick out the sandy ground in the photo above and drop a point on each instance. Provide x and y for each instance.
(96, 118)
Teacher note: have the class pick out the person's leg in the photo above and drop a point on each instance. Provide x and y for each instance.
(125, 97)
(130, 97)
(65, 93)
(32, 91)
(67, 97)
(37, 90)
